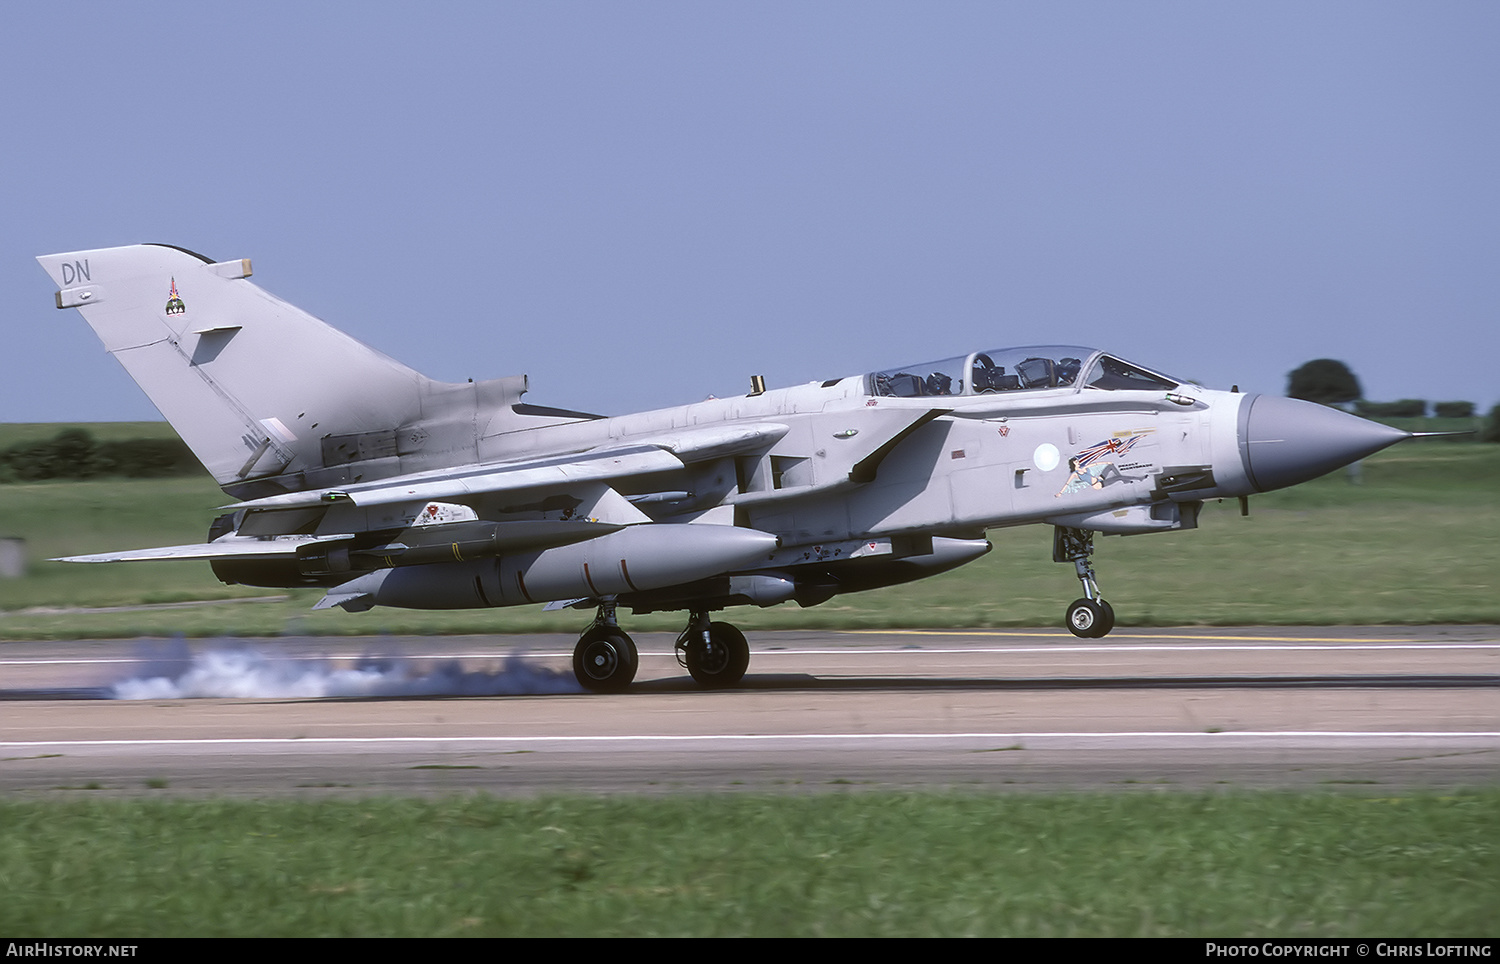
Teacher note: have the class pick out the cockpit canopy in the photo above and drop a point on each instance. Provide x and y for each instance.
(1018, 369)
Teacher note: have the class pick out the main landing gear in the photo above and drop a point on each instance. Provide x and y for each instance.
(1090, 617)
(714, 654)
(605, 659)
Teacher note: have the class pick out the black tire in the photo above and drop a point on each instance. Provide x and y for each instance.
(1088, 619)
(1109, 619)
(605, 660)
(726, 664)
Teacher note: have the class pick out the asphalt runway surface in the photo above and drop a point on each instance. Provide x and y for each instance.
(1371, 709)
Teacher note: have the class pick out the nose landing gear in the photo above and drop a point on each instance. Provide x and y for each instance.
(1090, 617)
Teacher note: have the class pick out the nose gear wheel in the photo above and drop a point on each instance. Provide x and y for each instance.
(1090, 617)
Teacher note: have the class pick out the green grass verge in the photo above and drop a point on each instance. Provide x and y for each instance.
(1417, 541)
(858, 864)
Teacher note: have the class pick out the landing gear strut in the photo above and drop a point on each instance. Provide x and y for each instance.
(605, 659)
(1090, 617)
(714, 654)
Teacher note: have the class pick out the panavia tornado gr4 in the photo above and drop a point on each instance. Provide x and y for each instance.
(357, 474)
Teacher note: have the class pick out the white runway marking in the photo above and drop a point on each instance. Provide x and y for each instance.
(1077, 740)
(929, 651)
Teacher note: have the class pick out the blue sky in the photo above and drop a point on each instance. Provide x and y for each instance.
(641, 204)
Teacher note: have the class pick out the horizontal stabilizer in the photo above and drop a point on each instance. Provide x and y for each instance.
(230, 547)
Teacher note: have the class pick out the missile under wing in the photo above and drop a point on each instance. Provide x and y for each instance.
(354, 473)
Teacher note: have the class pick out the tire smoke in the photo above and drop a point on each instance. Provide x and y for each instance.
(172, 671)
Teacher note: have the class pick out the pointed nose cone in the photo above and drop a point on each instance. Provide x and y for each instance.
(1285, 441)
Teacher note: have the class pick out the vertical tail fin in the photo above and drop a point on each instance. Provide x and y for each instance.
(251, 383)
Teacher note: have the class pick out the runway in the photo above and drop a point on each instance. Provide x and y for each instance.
(1376, 709)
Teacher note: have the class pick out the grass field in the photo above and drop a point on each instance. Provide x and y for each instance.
(1128, 864)
(1417, 541)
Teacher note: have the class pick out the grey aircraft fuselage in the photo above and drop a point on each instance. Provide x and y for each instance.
(359, 475)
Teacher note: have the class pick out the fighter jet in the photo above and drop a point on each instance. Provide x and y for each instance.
(354, 473)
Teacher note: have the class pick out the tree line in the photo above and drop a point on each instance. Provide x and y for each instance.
(74, 453)
(1330, 382)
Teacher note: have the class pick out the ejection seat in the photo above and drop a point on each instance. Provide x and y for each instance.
(1036, 373)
